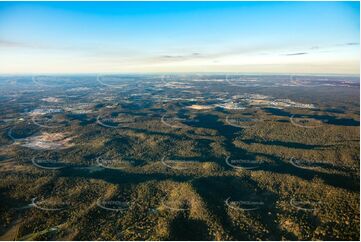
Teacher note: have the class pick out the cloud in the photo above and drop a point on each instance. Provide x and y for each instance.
(349, 44)
(190, 56)
(13, 44)
(298, 53)
(314, 48)
(172, 57)
(352, 43)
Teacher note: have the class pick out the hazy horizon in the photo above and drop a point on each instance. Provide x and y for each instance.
(180, 37)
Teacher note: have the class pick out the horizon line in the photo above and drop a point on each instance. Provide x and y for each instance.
(179, 73)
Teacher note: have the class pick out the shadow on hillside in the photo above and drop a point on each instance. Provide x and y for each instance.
(183, 228)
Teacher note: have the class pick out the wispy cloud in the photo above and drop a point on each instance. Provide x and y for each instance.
(13, 44)
(298, 53)
(179, 57)
(214, 55)
(352, 43)
(348, 44)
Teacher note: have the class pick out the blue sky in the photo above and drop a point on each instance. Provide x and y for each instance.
(99, 37)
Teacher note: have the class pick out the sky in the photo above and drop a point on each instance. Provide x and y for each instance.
(159, 37)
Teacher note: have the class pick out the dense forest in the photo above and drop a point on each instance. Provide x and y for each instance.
(152, 159)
